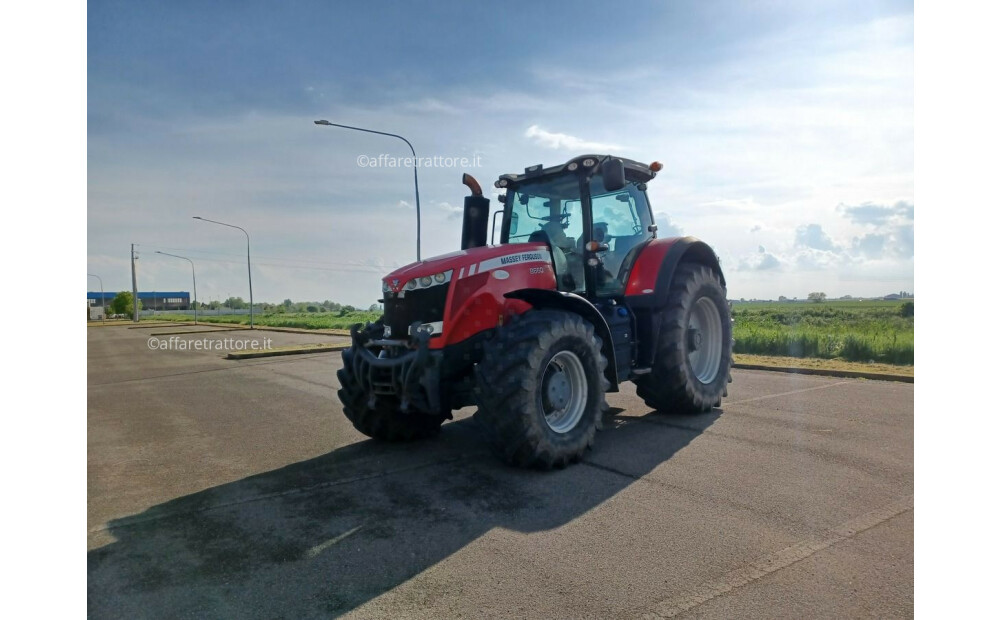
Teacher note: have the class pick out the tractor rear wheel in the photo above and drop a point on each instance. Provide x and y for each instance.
(694, 352)
(540, 389)
(383, 421)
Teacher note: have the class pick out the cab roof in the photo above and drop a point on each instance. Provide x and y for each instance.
(633, 170)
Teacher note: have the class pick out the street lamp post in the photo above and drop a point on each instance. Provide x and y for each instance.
(249, 277)
(194, 282)
(416, 188)
(104, 310)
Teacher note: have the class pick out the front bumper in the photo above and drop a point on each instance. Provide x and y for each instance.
(404, 370)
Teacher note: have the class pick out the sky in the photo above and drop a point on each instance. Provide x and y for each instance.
(785, 130)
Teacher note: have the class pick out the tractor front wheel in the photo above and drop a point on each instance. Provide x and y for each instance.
(694, 353)
(540, 389)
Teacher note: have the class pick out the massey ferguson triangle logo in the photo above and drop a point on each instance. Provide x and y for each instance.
(395, 283)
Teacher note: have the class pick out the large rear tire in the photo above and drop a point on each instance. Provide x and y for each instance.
(694, 353)
(384, 421)
(540, 389)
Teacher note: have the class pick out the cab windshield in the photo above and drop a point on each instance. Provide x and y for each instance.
(545, 206)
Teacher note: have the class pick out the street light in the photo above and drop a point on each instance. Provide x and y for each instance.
(416, 188)
(104, 310)
(249, 277)
(194, 282)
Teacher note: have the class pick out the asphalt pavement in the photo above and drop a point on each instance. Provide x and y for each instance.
(221, 489)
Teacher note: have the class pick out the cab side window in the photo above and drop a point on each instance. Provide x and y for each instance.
(621, 220)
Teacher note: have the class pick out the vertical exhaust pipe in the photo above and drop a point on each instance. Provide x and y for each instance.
(476, 214)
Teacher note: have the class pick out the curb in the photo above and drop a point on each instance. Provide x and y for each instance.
(845, 374)
(299, 330)
(295, 350)
(269, 328)
(159, 325)
(213, 330)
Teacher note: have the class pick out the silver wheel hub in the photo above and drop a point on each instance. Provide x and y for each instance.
(559, 390)
(704, 341)
(694, 339)
(563, 394)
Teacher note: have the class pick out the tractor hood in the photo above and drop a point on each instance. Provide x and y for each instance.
(457, 265)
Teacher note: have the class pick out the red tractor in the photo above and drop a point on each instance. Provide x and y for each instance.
(578, 296)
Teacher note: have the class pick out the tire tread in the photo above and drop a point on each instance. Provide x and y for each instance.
(669, 386)
(505, 383)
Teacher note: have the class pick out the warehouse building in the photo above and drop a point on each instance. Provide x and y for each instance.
(155, 300)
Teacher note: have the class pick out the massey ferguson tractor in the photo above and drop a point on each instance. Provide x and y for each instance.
(578, 296)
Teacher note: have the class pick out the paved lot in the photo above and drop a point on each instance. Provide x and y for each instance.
(237, 489)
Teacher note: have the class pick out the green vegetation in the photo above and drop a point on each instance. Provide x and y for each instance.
(122, 304)
(853, 331)
(304, 320)
(857, 331)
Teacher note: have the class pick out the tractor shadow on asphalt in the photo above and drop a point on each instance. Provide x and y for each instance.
(321, 537)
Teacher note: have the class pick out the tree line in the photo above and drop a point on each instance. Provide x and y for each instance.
(122, 304)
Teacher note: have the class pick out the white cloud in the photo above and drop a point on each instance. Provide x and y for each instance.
(811, 249)
(665, 228)
(811, 236)
(454, 212)
(812, 259)
(877, 215)
(893, 226)
(902, 237)
(870, 246)
(552, 140)
(762, 260)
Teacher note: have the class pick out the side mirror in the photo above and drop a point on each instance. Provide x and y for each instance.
(513, 224)
(613, 173)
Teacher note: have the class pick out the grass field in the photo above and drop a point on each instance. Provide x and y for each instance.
(857, 331)
(304, 320)
(854, 331)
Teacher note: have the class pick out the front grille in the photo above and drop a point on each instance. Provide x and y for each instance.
(423, 305)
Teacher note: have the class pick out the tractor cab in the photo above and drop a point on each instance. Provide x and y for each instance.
(593, 214)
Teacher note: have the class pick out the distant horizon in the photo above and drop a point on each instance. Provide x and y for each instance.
(110, 294)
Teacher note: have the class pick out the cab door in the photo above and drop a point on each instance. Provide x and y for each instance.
(623, 222)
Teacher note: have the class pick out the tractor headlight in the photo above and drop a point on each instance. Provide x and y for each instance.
(385, 287)
(573, 166)
(429, 329)
(425, 281)
(428, 281)
(587, 163)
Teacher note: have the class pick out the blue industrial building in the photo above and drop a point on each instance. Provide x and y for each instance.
(154, 300)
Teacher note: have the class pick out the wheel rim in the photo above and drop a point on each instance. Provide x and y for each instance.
(563, 395)
(704, 340)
